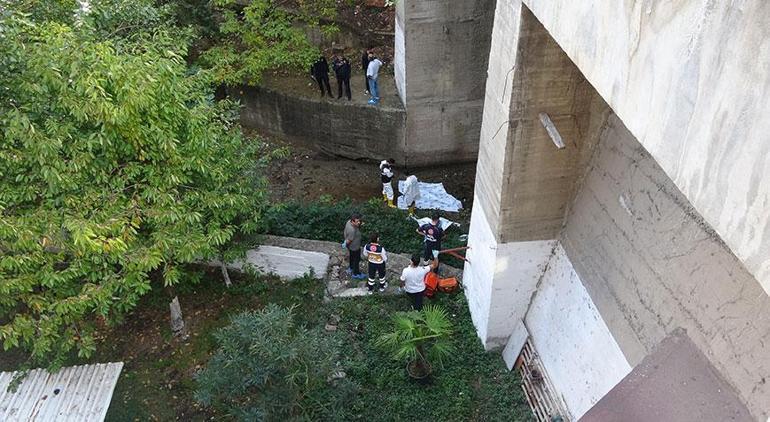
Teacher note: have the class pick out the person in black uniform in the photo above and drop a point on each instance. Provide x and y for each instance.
(364, 67)
(319, 71)
(377, 257)
(341, 67)
(433, 234)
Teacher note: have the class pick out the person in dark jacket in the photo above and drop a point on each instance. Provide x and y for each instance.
(319, 71)
(341, 67)
(364, 67)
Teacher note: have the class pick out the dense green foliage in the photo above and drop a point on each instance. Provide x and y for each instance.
(420, 336)
(325, 219)
(264, 35)
(116, 168)
(268, 368)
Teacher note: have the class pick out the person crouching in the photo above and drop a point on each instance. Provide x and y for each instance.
(377, 257)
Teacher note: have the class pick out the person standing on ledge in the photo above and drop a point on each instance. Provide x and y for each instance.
(341, 67)
(372, 74)
(319, 71)
(352, 242)
(365, 68)
(386, 176)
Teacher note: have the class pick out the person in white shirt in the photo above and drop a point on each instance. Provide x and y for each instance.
(412, 280)
(372, 74)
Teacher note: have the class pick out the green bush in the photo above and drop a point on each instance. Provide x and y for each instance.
(420, 337)
(267, 368)
(325, 220)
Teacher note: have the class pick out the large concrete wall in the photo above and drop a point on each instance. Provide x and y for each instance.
(446, 45)
(349, 130)
(578, 351)
(690, 81)
(640, 232)
(652, 265)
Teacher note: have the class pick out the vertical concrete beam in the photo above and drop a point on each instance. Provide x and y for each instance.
(541, 178)
(446, 51)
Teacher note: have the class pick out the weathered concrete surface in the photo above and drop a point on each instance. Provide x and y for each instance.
(351, 130)
(446, 45)
(689, 80)
(577, 350)
(287, 263)
(540, 178)
(674, 383)
(652, 264)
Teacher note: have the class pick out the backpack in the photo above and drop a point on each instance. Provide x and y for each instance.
(431, 284)
(447, 285)
(434, 283)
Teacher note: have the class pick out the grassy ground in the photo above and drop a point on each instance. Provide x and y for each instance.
(158, 381)
(325, 219)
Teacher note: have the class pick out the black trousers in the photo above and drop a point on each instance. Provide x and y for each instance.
(355, 260)
(346, 83)
(428, 252)
(324, 82)
(366, 82)
(416, 300)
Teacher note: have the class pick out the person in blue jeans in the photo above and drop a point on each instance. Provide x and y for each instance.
(372, 74)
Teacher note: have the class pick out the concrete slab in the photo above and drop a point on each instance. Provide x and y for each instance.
(674, 383)
(515, 344)
(284, 262)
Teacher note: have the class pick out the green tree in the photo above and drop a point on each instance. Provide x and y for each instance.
(267, 368)
(116, 169)
(264, 35)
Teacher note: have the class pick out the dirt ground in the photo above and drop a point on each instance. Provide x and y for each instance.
(308, 174)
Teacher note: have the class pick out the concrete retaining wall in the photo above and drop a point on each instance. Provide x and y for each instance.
(349, 130)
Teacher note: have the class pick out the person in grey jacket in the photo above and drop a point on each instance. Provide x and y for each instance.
(352, 242)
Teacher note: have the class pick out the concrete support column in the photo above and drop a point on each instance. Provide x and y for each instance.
(524, 181)
(442, 50)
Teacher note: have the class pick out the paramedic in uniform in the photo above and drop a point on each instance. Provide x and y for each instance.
(433, 233)
(377, 257)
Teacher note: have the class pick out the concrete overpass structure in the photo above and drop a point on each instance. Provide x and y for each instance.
(621, 221)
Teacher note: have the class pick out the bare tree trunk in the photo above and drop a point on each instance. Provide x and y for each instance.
(177, 322)
(225, 274)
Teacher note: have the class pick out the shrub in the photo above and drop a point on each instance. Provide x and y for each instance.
(324, 220)
(267, 368)
(421, 338)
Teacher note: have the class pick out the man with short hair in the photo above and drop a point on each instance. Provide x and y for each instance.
(341, 67)
(372, 74)
(352, 235)
(319, 71)
(413, 280)
(433, 234)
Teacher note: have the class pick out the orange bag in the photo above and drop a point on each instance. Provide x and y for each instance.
(447, 285)
(431, 284)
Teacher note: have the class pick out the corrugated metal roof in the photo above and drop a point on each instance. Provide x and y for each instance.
(75, 393)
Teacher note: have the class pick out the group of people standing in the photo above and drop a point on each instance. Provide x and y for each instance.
(376, 256)
(341, 66)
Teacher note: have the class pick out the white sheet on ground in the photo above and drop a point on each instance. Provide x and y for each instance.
(445, 224)
(432, 196)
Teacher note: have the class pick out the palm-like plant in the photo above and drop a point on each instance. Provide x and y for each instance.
(422, 338)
